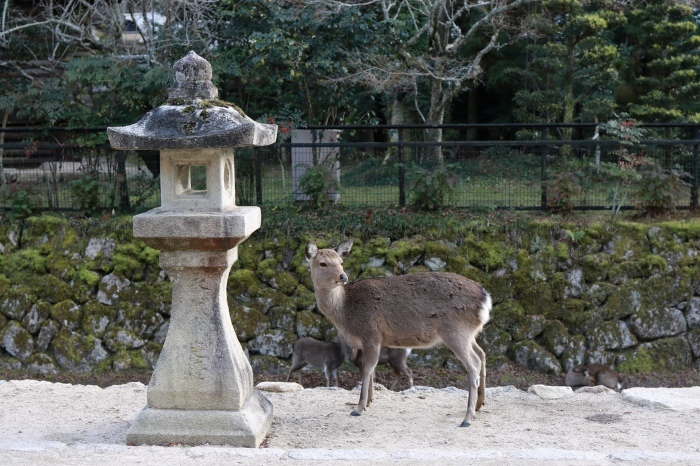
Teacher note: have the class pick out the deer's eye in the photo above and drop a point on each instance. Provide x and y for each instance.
(323, 264)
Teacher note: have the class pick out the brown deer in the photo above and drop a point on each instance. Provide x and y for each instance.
(326, 355)
(588, 375)
(405, 311)
(397, 360)
(329, 356)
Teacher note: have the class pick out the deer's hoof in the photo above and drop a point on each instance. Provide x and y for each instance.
(354, 413)
(464, 424)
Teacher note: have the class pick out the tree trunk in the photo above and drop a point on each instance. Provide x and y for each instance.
(436, 116)
(569, 99)
(472, 109)
(402, 112)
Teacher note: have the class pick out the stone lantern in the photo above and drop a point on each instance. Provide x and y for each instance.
(201, 390)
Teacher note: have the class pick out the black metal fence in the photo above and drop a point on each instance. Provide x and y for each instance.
(475, 166)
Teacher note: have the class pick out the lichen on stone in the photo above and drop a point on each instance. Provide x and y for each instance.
(248, 322)
(68, 314)
(17, 341)
(97, 316)
(273, 342)
(529, 354)
(283, 317)
(311, 324)
(665, 354)
(188, 127)
(211, 103)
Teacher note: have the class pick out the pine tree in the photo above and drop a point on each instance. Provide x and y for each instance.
(664, 61)
(572, 67)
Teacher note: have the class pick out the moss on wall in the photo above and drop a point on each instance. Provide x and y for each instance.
(563, 293)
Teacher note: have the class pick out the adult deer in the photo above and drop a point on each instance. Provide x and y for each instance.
(405, 311)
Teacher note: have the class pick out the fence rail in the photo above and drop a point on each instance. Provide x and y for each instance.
(499, 172)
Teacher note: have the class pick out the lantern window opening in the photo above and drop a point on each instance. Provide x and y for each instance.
(192, 180)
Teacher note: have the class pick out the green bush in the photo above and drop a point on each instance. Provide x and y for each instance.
(431, 188)
(318, 181)
(561, 191)
(87, 192)
(21, 199)
(660, 190)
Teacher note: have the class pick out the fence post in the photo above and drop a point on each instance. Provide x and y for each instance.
(257, 161)
(544, 153)
(696, 171)
(402, 172)
(122, 187)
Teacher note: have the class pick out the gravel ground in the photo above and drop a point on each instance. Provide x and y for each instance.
(47, 423)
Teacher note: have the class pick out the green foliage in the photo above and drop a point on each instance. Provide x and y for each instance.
(296, 63)
(318, 182)
(92, 91)
(574, 64)
(562, 190)
(142, 188)
(88, 192)
(630, 158)
(290, 51)
(287, 120)
(245, 178)
(431, 188)
(623, 128)
(21, 199)
(663, 39)
(661, 189)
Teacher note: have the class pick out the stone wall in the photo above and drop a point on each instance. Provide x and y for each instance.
(83, 295)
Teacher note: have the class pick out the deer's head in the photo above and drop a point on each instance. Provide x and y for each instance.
(327, 265)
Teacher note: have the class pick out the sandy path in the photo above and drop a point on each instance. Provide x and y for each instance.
(46, 423)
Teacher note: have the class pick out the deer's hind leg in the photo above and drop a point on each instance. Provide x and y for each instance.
(297, 365)
(463, 348)
(327, 373)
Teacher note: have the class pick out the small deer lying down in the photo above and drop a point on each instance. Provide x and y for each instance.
(405, 311)
(397, 360)
(326, 355)
(588, 375)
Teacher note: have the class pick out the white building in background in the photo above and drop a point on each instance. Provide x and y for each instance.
(133, 23)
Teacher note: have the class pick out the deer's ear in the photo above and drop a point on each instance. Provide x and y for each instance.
(344, 249)
(311, 250)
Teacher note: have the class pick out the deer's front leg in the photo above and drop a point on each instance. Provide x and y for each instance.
(370, 357)
(481, 396)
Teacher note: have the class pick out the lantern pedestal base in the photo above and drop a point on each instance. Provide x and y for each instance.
(246, 427)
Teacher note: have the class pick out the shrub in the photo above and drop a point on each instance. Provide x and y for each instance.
(431, 188)
(561, 191)
(87, 193)
(21, 199)
(318, 181)
(660, 190)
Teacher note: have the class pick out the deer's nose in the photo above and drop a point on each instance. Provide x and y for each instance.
(343, 278)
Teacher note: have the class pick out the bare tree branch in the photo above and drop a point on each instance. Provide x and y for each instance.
(443, 66)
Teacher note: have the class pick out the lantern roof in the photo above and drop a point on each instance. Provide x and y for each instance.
(193, 117)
